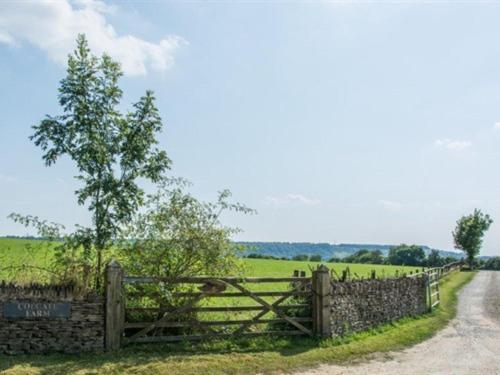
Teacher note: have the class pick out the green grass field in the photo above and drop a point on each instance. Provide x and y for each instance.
(277, 268)
(15, 252)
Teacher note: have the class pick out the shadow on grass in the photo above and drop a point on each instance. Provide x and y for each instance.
(143, 354)
(138, 355)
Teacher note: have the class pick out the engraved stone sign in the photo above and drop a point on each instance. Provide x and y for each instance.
(36, 309)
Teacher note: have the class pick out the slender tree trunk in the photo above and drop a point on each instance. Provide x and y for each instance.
(98, 232)
(471, 261)
(98, 268)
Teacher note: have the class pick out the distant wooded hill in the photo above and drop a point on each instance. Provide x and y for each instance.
(326, 250)
(291, 249)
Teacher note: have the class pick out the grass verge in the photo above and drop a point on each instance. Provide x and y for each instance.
(263, 355)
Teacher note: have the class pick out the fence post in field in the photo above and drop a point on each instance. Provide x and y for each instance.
(321, 287)
(115, 309)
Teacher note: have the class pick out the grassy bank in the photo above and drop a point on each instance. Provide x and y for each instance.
(236, 357)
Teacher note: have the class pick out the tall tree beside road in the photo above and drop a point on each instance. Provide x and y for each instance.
(469, 232)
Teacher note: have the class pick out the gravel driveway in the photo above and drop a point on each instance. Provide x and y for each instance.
(470, 344)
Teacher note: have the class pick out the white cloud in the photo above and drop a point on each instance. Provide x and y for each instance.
(496, 126)
(291, 199)
(452, 145)
(53, 26)
(392, 206)
(6, 38)
(7, 179)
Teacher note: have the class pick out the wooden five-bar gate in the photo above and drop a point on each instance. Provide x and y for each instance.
(154, 309)
(433, 288)
(434, 275)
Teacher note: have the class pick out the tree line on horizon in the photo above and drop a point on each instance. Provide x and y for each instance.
(364, 256)
(401, 255)
(467, 235)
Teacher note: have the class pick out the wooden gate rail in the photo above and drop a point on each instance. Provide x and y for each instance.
(212, 322)
(221, 285)
(215, 308)
(313, 293)
(268, 307)
(433, 288)
(244, 324)
(119, 331)
(204, 279)
(434, 275)
(223, 295)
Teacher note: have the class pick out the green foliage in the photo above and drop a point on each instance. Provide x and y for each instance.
(315, 258)
(289, 249)
(469, 232)
(111, 150)
(68, 257)
(492, 264)
(263, 256)
(408, 255)
(24, 261)
(177, 235)
(434, 259)
(298, 257)
(301, 257)
(365, 256)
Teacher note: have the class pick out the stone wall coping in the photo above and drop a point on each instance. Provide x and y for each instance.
(45, 291)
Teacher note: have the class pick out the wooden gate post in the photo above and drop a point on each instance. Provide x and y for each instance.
(115, 308)
(321, 288)
(428, 290)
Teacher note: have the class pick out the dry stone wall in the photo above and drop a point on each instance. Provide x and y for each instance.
(364, 304)
(39, 319)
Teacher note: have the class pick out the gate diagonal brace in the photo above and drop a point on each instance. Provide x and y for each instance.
(165, 317)
(272, 308)
(265, 310)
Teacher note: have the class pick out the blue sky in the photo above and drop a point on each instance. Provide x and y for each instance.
(339, 122)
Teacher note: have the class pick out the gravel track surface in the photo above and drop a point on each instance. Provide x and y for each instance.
(470, 344)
